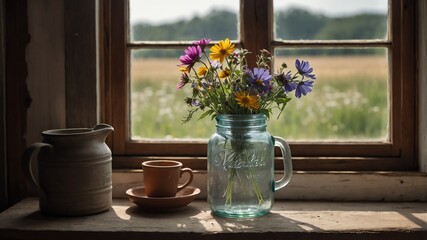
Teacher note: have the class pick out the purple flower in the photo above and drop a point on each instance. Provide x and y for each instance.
(206, 85)
(202, 43)
(303, 88)
(196, 103)
(215, 64)
(304, 69)
(184, 80)
(192, 55)
(235, 56)
(260, 79)
(192, 102)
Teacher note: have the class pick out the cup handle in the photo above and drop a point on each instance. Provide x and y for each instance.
(287, 163)
(190, 179)
(29, 154)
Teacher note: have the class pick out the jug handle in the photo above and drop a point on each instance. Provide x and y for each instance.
(287, 163)
(31, 153)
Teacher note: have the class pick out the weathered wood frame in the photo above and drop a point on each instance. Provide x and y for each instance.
(3, 158)
(256, 33)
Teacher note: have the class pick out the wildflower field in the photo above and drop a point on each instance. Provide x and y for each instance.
(349, 101)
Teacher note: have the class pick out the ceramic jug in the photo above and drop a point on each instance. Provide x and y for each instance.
(74, 170)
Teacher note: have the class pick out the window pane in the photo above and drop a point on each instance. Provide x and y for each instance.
(157, 108)
(330, 19)
(349, 100)
(164, 20)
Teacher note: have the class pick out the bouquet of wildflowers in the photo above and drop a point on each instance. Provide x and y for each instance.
(222, 83)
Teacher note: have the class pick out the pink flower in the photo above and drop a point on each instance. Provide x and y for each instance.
(202, 43)
(184, 80)
(192, 55)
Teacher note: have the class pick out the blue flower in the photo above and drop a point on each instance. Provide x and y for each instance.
(304, 69)
(260, 79)
(285, 79)
(290, 86)
(303, 88)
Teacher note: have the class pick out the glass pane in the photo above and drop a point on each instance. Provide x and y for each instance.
(164, 20)
(157, 108)
(349, 100)
(330, 19)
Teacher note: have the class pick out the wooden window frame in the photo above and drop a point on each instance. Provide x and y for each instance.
(398, 154)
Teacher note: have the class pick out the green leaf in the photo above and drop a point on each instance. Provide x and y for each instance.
(283, 100)
(208, 112)
(189, 115)
(266, 112)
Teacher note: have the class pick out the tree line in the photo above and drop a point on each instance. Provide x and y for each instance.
(290, 24)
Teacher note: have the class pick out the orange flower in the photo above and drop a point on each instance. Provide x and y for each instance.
(202, 71)
(224, 73)
(244, 99)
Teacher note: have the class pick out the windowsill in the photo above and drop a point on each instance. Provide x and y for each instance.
(287, 220)
(315, 186)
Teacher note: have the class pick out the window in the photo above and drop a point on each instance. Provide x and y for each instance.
(391, 146)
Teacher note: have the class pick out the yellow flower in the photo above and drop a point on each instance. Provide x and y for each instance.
(244, 99)
(184, 69)
(221, 50)
(202, 71)
(224, 73)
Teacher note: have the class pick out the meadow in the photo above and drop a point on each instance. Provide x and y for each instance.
(349, 102)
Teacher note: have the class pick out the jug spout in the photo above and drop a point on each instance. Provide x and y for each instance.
(103, 128)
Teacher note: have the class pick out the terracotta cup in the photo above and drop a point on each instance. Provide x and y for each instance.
(161, 177)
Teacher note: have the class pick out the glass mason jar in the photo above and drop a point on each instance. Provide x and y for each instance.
(241, 166)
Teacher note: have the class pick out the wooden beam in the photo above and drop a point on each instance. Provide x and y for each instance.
(422, 84)
(17, 97)
(80, 63)
(46, 70)
(3, 172)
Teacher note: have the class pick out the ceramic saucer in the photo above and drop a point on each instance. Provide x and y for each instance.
(138, 196)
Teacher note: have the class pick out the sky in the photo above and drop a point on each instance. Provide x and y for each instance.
(172, 10)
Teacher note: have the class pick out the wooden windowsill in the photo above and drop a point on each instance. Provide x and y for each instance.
(317, 186)
(287, 220)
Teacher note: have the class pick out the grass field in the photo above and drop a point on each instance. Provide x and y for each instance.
(349, 102)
